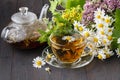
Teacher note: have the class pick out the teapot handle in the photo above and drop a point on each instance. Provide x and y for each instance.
(43, 11)
(5, 32)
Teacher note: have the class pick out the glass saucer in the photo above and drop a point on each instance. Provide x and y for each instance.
(49, 57)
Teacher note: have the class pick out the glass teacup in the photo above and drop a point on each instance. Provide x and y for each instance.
(65, 50)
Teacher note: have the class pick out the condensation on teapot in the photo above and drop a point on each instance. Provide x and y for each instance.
(23, 30)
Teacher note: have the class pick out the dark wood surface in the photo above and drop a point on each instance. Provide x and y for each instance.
(16, 64)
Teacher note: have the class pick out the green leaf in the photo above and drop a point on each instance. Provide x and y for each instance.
(63, 3)
(72, 3)
(114, 44)
(116, 32)
(119, 46)
(44, 36)
(53, 5)
(41, 31)
(118, 53)
(59, 18)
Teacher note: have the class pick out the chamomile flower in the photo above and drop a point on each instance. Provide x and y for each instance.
(118, 41)
(109, 37)
(108, 20)
(100, 25)
(106, 40)
(99, 11)
(68, 38)
(38, 62)
(101, 32)
(99, 15)
(87, 33)
(101, 54)
(108, 30)
(97, 40)
(108, 52)
(81, 27)
(78, 26)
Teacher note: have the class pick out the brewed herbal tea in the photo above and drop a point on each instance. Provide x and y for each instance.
(68, 52)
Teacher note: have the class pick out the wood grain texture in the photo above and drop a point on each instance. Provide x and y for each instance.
(16, 64)
(104, 70)
(7, 8)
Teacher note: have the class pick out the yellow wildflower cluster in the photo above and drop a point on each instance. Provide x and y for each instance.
(72, 14)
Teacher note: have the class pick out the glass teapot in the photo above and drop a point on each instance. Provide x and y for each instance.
(23, 30)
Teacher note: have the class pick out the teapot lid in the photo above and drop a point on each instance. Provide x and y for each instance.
(24, 16)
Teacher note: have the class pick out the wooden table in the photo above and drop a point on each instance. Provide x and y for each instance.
(16, 64)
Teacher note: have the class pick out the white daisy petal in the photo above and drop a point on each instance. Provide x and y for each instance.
(38, 62)
(68, 38)
(87, 33)
(48, 70)
(108, 52)
(108, 20)
(99, 15)
(118, 41)
(108, 31)
(101, 54)
(78, 26)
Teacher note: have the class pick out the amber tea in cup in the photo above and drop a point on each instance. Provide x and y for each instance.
(65, 51)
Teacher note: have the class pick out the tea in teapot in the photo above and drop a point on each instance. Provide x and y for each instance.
(23, 30)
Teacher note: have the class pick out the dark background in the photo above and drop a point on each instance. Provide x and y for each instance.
(16, 64)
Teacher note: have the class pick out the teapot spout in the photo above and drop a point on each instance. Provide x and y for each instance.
(43, 13)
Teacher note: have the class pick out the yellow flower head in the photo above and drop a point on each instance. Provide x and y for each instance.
(38, 62)
(101, 54)
(65, 16)
(98, 17)
(80, 28)
(102, 32)
(95, 39)
(100, 25)
(87, 34)
(107, 20)
(104, 41)
(110, 38)
(99, 57)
